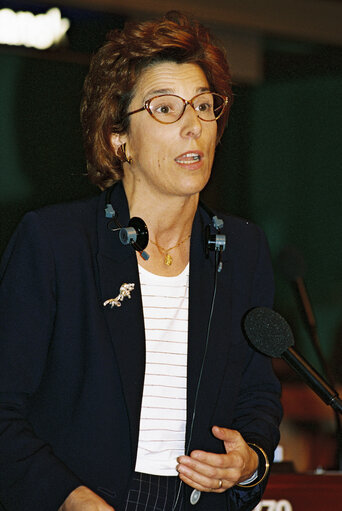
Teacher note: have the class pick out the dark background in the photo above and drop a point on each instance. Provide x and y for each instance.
(279, 163)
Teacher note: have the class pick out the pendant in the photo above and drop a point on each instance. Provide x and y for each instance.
(168, 259)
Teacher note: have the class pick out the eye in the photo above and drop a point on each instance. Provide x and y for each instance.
(204, 103)
(204, 107)
(166, 106)
(161, 106)
(163, 109)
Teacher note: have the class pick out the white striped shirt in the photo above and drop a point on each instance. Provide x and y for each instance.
(163, 409)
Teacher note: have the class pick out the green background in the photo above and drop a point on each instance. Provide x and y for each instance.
(279, 163)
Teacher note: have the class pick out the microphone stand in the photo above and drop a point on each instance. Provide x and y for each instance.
(311, 324)
(312, 327)
(314, 380)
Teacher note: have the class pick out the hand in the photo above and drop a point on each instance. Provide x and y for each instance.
(83, 499)
(205, 470)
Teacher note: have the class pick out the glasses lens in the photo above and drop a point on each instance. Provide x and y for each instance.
(166, 108)
(209, 106)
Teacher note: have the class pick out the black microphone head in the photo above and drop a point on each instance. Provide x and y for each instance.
(268, 331)
(291, 262)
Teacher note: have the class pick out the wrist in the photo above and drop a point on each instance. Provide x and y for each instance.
(251, 470)
(262, 467)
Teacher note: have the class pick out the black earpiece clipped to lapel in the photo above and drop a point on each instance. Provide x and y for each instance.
(135, 234)
(214, 242)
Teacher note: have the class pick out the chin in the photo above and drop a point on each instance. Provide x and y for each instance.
(196, 185)
(189, 190)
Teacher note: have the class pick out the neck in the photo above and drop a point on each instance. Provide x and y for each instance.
(169, 221)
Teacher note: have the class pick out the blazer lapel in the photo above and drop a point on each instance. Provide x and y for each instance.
(205, 365)
(117, 265)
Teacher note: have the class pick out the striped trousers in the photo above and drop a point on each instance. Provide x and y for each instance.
(154, 493)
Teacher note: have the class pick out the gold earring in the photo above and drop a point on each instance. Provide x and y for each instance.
(121, 153)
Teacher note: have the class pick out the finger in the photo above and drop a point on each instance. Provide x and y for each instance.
(214, 460)
(204, 484)
(208, 476)
(196, 472)
(206, 463)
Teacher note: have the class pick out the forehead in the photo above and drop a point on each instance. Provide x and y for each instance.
(171, 78)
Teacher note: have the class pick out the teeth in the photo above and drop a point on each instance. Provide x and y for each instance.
(190, 158)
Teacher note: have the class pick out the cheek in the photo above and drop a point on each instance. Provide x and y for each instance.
(209, 132)
(144, 138)
(161, 160)
(213, 146)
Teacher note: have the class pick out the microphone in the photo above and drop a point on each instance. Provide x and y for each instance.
(270, 334)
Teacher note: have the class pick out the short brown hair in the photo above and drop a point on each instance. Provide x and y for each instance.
(115, 69)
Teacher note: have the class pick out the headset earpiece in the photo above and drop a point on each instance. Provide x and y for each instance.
(214, 242)
(136, 234)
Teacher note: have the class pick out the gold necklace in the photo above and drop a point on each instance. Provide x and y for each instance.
(165, 251)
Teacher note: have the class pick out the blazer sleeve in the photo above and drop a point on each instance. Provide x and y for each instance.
(258, 412)
(31, 476)
(260, 389)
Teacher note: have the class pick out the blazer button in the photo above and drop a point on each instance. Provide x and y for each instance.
(195, 496)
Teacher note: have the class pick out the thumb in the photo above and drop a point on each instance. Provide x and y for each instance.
(230, 437)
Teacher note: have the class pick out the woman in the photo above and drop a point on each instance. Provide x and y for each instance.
(126, 382)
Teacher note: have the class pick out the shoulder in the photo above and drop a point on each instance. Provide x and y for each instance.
(237, 226)
(243, 234)
(233, 225)
(65, 220)
(248, 251)
(247, 248)
(56, 227)
(240, 232)
(68, 215)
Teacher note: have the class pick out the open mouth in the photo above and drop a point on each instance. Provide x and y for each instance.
(189, 158)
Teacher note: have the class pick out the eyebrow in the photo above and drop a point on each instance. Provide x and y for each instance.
(157, 92)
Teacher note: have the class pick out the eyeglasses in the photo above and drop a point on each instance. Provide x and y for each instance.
(169, 108)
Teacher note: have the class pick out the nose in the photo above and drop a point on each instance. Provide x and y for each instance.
(191, 124)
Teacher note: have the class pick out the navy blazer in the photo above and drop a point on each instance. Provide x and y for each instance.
(72, 370)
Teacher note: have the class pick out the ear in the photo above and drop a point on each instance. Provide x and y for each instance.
(117, 140)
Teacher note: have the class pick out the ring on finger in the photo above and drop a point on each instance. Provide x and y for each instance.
(220, 484)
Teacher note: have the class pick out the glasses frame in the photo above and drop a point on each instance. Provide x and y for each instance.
(185, 104)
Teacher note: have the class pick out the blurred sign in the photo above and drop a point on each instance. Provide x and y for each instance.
(40, 31)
